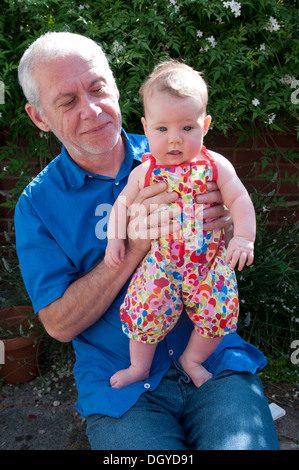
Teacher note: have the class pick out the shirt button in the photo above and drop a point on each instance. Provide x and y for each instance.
(147, 385)
(170, 352)
(117, 183)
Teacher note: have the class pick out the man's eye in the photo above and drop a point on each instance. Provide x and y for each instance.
(98, 89)
(67, 103)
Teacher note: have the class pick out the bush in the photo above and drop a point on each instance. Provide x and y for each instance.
(268, 289)
(248, 53)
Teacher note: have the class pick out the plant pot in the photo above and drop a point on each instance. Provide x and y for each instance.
(22, 355)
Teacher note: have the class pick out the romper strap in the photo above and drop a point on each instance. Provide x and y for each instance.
(212, 161)
(145, 157)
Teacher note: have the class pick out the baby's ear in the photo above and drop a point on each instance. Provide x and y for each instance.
(143, 120)
(206, 124)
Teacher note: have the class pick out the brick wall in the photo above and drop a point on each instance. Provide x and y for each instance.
(245, 156)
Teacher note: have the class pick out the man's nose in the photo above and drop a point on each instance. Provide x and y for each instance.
(90, 108)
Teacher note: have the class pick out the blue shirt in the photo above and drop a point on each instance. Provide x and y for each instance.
(61, 222)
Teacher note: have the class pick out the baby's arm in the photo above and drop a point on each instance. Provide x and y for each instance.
(118, 220)
(236, 198)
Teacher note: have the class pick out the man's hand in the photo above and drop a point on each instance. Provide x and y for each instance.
(217, 216)
(150, 217)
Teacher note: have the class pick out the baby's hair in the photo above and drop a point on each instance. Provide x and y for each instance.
(176, 78)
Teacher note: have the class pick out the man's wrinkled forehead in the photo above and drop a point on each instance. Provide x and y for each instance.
(63, 74)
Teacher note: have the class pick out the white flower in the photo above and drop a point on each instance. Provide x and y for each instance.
(262, 47)
(117, 47)
(173, 3)
(255, 102)
(212, 41)
(273, 25)
(272, 118)
(234, 6)
(199, 34)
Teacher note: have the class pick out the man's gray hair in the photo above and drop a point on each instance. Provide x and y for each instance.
(50, 46)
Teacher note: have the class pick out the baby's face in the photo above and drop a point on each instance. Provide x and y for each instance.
(175, 128)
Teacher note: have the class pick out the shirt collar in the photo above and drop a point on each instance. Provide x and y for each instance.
(77, 175)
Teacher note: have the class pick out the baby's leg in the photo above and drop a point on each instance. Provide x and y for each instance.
(141, 355)
(197, 351)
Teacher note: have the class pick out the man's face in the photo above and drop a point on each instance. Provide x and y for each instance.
(80, 104)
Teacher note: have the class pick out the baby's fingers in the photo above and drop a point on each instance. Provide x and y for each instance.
(250, 257)
(232, 257)
(242, 260)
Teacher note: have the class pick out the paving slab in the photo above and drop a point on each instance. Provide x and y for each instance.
(40, 415)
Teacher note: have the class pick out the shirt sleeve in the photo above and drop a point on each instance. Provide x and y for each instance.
(46, 269)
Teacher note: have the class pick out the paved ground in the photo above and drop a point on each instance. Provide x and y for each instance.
(40, 415)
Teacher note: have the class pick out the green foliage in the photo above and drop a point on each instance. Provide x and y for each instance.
(13, 291)
(280, 369)
(245, 55)
(248, 54)
(268, 289)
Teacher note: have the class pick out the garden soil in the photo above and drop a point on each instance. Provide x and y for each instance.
(40, 415)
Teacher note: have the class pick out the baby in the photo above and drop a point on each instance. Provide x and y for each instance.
(189, 269)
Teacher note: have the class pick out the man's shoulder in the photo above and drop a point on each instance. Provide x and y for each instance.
(136, 138)
(138, 144)
(41, 181)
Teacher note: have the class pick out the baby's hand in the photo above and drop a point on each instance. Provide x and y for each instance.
(239, 249)
(115, 253)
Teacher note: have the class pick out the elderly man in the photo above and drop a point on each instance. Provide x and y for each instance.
(61, 219)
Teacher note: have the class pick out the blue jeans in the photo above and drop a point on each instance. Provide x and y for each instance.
(229, 412)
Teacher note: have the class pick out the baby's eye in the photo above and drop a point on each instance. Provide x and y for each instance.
(187, 128)
(162, 129)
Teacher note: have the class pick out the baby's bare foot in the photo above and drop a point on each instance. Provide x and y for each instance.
(128, 376)
(198, 374)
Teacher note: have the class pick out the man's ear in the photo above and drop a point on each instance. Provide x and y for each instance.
(143, 120)
(206, 124)
(36, 117)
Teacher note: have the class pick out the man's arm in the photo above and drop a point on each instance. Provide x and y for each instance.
(87, 299)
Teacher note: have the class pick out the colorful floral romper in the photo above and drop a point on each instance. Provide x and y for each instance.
(185, 270)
